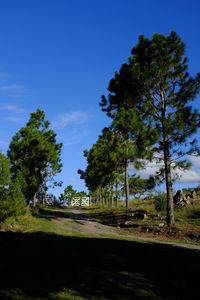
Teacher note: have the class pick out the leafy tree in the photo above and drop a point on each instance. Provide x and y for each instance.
(81, 194)
(68, 194)
(123, 106)
(139, 186)
(161, 67)
(33, 151)
(4, 173)
(156, 84)
(101, 163)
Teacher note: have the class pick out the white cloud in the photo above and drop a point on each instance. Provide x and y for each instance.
(11, 88)
(13, 108)
(74, 137)
(191, 175)
(12, 113)
(4, 76)
(75, 180)
(14, 119)
(74, 117)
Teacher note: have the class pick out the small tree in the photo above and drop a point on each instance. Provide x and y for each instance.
(13, 202)
(33, 151)
(68, 194)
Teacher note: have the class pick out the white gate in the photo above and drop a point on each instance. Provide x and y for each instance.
(80, 201)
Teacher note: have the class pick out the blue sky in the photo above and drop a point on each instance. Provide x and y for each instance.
(60, 55)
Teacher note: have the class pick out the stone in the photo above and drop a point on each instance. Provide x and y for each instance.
(161, 225)
(128, 223)
(139, 215)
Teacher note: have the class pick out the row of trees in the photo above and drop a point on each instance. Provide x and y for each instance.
(32, 161)
(150, 105)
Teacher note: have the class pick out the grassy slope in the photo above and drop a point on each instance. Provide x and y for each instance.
(186, 230)
(45, 259)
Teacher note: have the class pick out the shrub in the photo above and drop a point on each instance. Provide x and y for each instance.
(12, 203)
(160, 202)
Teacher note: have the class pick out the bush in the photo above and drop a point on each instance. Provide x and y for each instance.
(160, 202)
(12, 203)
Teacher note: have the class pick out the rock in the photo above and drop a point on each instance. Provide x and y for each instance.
(180, 199)
(128, 223)
(139, 215)
(193, 195)
(161, 225)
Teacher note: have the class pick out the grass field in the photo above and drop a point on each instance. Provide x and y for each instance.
(47, 257)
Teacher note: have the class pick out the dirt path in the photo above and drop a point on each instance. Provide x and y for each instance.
(83, 224)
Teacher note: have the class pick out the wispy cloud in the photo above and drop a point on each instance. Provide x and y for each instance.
(12, 113)
(75, 180)
(13, 108)
(75, 137)
(70, 118)
(4, 76)
(10, 88)
(14, 119)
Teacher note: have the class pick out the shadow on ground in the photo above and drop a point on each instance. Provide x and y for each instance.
(59, 214)
(106, 218)
(41, 264)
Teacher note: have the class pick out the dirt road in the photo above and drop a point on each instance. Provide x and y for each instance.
(80, 221)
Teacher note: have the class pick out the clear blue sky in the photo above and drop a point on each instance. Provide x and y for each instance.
(60, 55)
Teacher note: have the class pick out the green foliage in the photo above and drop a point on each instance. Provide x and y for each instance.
(156, 88)
(4, 173)
(13, 202)
(81, 194)
(68, 194)
(160, 202)
(141, 186)
(102, 160)
(34, 152)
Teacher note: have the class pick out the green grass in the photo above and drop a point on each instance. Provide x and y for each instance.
(45, 258)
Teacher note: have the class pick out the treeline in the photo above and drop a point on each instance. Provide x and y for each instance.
(150, 104)
(32, 161)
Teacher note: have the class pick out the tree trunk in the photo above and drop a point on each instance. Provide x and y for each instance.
(127, 186)
(168, 177)
(116, 195)
(100, 197)
(103, 201)
(97, 197)
(45, 190)
(34, 200)
(168, 180)
(112, 196)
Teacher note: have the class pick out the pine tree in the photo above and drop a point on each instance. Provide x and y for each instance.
(33, 151)
(168, 90)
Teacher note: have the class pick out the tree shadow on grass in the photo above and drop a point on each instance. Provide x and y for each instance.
(61, 214)
(106, 218)
(40, 265)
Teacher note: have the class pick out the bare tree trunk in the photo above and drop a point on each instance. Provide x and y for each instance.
(127, 186)
(112, 196)
(103, 201)
(97, 196)
(45, 190)
(100, 197)
(116, 195)
(168, 177)
(168, 180)
(34, 200)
